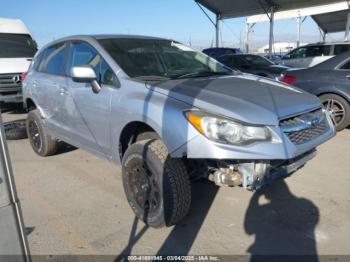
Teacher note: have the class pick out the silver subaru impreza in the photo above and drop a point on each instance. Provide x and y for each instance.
(168, 114)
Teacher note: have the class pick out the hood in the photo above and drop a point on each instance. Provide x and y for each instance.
(14, 65)
(244, 97)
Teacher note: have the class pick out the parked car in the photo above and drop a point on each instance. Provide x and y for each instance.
(275, 58)
(167, 113)
(330, 81)
(17, 49)
(313, 54)
(253, 64)
(216, 52)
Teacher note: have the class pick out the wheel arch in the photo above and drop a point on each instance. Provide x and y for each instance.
(130, 133)
(333, 92)
(30, 104)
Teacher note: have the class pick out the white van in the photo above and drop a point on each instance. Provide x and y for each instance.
(313, 54)
(17, 48)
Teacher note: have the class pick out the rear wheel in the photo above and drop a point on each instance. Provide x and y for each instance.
(42, 143)
(338, 108)
(156, 185)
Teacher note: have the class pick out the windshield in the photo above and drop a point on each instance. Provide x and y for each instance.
(16, 45)
(146, 58)
(256, 60)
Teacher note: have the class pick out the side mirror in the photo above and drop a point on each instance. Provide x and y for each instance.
(85, 74)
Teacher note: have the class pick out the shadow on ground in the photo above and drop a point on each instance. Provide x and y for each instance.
(282, 223)
(183, 235)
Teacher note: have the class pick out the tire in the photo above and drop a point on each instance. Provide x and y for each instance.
(146, 165)
(42, 143)
(339, 109)
(15, 130)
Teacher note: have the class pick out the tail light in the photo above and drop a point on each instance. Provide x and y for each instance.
(289, 79)
(23, 76)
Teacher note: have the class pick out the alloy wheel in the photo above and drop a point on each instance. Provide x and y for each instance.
(335, 109)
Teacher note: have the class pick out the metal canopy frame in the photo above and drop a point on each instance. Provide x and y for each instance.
(334, 22)
(225, 9)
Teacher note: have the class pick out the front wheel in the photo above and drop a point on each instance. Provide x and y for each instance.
(338, 108)
(157, 186)
(42, 143)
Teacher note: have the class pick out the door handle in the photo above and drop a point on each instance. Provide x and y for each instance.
(62, 90)
(348, 77)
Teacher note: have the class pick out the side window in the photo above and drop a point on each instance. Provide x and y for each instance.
(83, 54)
(53, 60)
(338, 49)
(346, 66)
(36, 62)
(298, 53)
(322, 50)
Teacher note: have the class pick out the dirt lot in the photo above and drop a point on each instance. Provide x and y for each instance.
(73, 203)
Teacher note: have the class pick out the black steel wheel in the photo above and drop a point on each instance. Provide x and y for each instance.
(42, 143)
(338, 109)
(33, 131)
(157, 186)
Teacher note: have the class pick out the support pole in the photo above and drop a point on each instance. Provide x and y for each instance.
(298, 30)
(247, 37)
(272, 15)
(217, 30)
(346, 38)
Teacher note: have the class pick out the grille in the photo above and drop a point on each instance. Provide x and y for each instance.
(304, 128)
(9, 83)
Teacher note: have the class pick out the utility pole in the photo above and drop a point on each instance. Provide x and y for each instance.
(217, 30)
(298, 29)
(271, 17)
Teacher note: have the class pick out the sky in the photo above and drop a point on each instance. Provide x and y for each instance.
(181, 20)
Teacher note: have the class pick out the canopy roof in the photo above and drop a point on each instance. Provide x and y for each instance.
(238, 8)
(332, 22)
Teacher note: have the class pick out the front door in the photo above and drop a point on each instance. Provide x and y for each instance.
(86, 112)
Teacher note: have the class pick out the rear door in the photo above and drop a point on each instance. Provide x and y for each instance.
(88, 113)
(48, 82)
(341, 77)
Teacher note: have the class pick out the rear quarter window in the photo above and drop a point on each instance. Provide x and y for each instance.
(53, 59)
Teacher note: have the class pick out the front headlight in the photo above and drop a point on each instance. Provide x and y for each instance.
(225, 130)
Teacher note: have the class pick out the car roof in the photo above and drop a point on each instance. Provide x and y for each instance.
(109, 36)
(221, 48)
(329, 43)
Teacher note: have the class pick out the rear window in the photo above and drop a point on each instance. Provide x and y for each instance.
(16, 45)
(346, 66)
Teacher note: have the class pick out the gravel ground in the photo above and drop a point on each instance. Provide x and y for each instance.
(74, 203)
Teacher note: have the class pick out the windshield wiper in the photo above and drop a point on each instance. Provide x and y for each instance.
(151, 78)
(200, 74)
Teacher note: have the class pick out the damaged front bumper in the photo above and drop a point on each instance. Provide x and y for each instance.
(261, 163)
(255, 174)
